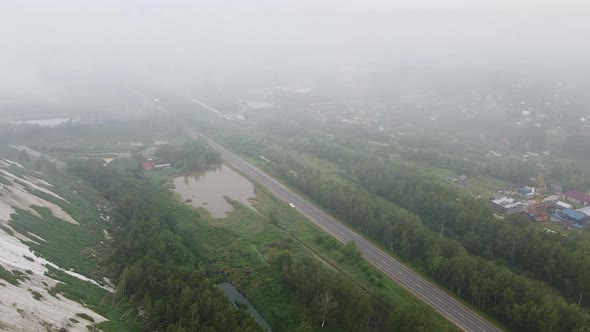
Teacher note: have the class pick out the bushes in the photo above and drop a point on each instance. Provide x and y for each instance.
(154, 267)
(327, 297)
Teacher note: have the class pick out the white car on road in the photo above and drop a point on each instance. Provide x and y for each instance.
(292, 205)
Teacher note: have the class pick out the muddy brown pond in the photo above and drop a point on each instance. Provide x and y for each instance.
(209, 189)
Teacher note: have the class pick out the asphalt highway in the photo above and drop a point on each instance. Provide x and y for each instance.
(457, 313)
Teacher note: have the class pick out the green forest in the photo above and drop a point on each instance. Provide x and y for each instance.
(153, 266)
(560, 261)
(167, 259)
(481, 259)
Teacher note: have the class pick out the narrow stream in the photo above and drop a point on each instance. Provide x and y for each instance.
(236, 297)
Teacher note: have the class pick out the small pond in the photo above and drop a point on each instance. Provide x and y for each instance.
(208, 190)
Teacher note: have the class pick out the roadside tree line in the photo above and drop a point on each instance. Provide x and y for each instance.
(562, 262)
(519, 302)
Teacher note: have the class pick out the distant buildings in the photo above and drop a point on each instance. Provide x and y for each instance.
(47, 123)
(559, 205)
(232, 116)
(554, 202)
(148, 164)
(493, 154)
(577, 197)
(552, 199)
(506, 205)
(573, 218)
(526, 192)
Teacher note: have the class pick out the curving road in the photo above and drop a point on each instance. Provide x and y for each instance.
(446, 305)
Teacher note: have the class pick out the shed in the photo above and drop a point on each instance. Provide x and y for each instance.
(563, 205)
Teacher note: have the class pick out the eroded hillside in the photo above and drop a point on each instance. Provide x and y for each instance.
(38, 233)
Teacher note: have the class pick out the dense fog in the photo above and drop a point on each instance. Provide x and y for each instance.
(67, 52)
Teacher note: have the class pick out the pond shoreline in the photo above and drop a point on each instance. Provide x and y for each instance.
(209, 189)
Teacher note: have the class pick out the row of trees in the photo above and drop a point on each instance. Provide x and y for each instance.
(326, 296)
(519, 302)
(560, 261)
(194, 156)
(572, 175)
(333, 301)
(351, 153)
(564, 262)
(153, 266)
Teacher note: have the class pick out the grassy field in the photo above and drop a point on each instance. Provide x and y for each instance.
(163, 176)
(329, 169)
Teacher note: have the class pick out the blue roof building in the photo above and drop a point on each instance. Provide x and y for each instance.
(576, 216)
(571, 217)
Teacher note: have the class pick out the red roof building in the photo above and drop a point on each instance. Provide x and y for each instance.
(148, 164)
(577, 197)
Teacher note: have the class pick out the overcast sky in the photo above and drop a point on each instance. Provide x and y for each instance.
(49, 47)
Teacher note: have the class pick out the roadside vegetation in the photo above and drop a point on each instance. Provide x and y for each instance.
(405, 211)
(298, 278)
(165, 257)
(296, 284)
(153, 266)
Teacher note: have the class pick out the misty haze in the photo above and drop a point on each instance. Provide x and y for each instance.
(292, 165)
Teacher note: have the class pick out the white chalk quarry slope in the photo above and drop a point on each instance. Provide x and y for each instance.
(19, 310)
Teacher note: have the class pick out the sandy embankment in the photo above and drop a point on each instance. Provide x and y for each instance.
(19, 310)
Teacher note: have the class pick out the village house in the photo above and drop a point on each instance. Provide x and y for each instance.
(148, 164)
(577, 197)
